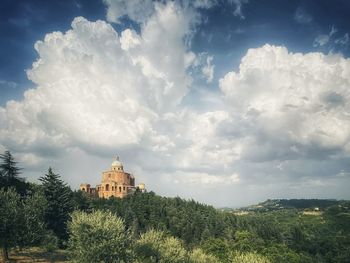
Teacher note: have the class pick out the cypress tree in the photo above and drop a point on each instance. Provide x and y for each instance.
(59, 203)
(10, 174)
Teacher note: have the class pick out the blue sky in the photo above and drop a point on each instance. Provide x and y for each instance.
(250, 97)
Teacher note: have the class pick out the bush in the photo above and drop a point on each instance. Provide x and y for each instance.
(250, 257)
(98, 237)
(155, 246)
(50, 242)
(198, 256)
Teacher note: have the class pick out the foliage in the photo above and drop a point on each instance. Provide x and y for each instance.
(32, 219)
(217, 247)
(59, 205)
(21, 220)
(197, 255)
(98, 237)
(249, 257)
(187, 220)
(50, 242)
(10, 174)
(9, 219)
(155, 246)
(247, 241)
(81, 201)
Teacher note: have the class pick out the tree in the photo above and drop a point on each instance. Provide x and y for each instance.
(250, 257)
(33, 227)
(198, 256)
(59, 204)
(98, 237)
(9, 220)
(217, 247)
(21, 220)
(155, 246)
(10, 174)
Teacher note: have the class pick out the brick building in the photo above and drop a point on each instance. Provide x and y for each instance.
(115, 182)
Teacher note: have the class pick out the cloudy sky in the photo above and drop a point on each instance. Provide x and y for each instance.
(227, 102)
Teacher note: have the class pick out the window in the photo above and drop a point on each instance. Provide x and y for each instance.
(112, 188)
(124, 188)
(120, 188)
(107, 187)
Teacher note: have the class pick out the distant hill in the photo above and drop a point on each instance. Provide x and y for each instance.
(279, 204)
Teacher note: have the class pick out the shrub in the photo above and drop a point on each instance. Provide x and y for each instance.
(97, 237)
(155, 246)
(198, 256)
(250, 257)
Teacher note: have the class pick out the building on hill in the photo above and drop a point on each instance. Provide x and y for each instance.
(115, 182)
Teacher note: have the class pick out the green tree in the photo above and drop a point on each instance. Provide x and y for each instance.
(98, 237)
(33, 227)
(21, 220)
(81, 201)
(217, 247)
(198, 256)
(9, 220)
(155, 246)
(249, 257)
(247, 241)
(10, 174)
(59, 203)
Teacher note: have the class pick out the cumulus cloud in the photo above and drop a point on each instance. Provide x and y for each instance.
(290, 105)
(279, 120)
(96, 86)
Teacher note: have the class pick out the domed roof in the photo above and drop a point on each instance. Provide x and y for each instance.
(116, 162)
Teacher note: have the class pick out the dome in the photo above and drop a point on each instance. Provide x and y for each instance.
(141, 186)
(116, 162)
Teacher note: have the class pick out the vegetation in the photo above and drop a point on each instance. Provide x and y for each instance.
(58, 196)
(98, 237)
(145, 227)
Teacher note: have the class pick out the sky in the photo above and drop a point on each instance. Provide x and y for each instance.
(229, 102)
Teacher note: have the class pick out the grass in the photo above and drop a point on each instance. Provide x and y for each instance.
(36, 254)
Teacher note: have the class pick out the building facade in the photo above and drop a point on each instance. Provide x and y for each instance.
(115, 183)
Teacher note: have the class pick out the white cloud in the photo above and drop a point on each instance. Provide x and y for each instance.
(321, 40)
(281, 117)
(4, 84)
(97, 88)
(137, 10)
(238, 7)
(294, 105)
(201, 179)
(208, 69)
(301, 16)
(141, 10)
(344, 40)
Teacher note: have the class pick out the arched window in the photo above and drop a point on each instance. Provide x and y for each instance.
(120, 188)
(107, 187)
(112, 188)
